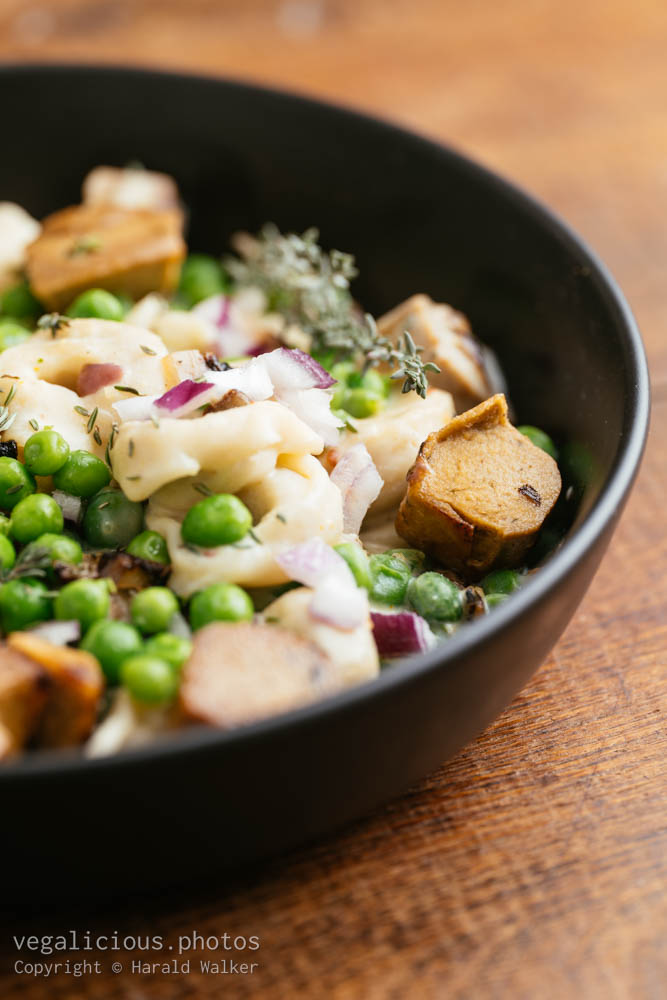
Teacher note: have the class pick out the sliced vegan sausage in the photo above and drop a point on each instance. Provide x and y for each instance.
(24, 689)
(478, 493)
(447, 340)
(241, 672)
(76, 685)
(133, 251)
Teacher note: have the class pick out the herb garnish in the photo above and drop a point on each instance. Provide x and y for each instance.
(85, 244)
(91, 420)
(310, 288)
(203, 489)
(127, 388)
(53, 322)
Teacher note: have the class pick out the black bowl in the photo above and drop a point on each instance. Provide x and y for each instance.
(419, 218)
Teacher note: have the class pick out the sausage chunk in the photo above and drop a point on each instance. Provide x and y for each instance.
(447, 340)
(238, 673)
(133, 251)
(76, 685)
(478, 493)
(24, 688)
(129, 187)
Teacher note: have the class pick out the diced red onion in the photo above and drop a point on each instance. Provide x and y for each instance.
(310, 562)
(294, 369)
(250, 378)
(313, 406)
(69, 505)
(57, 633)
(215, 309)
(360, 483)
(233, 339)
(135, 407)
(400, 633)
(95, 376)
(186, 397)
(337, 603)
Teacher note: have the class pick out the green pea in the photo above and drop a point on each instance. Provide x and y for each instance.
(4, 524)
(501, 581)
(58, 548)
(220, 602)
(149, 545)
(22, 603)
(85, 601)
(12, 333)
(389, 578)
(173, 649)
(343, 370)
(45, 452)
(15, 482)
(217, 520)
(360, 402)
(111, 520)
(7, 553)
(201, 277)
(357, 560)
(493, 600)
(34, 516)
(126, 302)
(540, 439)
(82, 475)
(435, 597)
(19, 301)
(96, 303)
(149, 679)
(112, 642)
(153, 608)
(375, 383)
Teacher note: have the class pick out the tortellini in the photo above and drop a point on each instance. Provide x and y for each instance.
(292, 502)
(230, 449)
(45, 371)
(393, 439)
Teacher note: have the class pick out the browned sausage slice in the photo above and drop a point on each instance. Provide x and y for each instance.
(76, 684)
(478, 492)
(24, 688)
(133, 251)
(447, 340)
(238, 673)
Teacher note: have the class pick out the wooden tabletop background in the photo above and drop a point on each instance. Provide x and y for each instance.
(533, 865)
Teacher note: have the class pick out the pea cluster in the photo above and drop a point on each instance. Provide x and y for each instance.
(397, 578)
(361, 394)
(140, 654)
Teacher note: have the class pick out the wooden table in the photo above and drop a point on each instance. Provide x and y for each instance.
(534, 865)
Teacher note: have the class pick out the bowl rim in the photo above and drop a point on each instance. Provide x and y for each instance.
(190, 741)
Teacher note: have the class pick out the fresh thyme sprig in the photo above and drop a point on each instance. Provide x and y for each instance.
(310, 288)
(411, 367)
(53, 322)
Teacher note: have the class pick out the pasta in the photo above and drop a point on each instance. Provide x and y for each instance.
(225, 492)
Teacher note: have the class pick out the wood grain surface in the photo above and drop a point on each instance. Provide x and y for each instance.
(534, 865)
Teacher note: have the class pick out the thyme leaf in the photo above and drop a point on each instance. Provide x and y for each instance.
(53, 322)
(310, 288)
